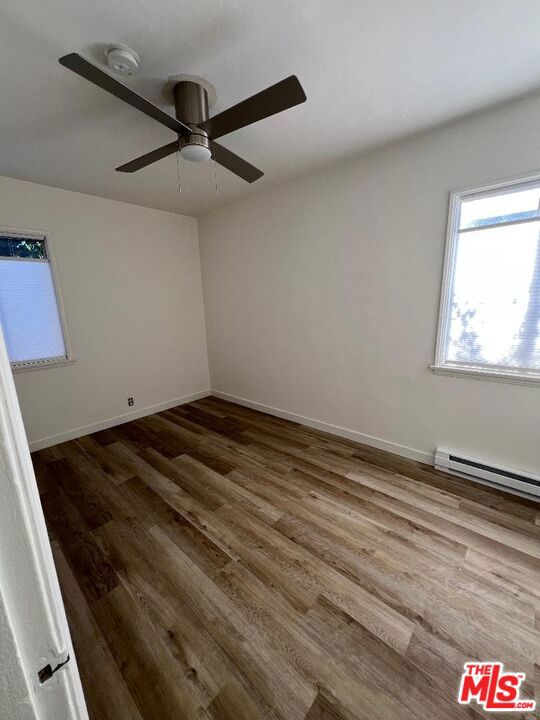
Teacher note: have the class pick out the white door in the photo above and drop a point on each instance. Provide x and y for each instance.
(33, 628)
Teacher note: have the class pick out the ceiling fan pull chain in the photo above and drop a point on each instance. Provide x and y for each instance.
(215, 176)
(178, 169)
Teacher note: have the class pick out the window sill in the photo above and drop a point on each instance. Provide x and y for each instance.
(486, 374)
(42, 366)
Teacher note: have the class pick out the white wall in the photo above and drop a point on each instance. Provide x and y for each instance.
(322, 295)
(131, 284)
(15, 699)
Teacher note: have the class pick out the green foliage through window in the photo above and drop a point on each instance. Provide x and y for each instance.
(21, 247)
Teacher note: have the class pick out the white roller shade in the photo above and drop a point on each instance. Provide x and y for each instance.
(29, 311)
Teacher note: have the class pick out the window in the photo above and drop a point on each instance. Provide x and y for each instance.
(30, 311)
(489, 324)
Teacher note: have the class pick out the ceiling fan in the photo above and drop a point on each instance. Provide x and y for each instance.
(196, 131)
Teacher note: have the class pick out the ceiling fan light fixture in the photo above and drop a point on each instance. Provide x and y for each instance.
(196, 153)
(195, 147)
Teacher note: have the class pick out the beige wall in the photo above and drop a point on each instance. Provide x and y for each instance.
(131, 284)
(322, 295)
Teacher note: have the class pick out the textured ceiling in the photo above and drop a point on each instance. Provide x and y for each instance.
(373, 71)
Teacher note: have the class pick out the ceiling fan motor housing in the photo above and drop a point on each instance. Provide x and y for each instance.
(191, 107)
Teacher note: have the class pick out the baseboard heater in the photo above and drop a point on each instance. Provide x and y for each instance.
(519, 483)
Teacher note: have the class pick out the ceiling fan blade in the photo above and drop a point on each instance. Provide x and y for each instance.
(235, 164)
(150, 157)
(281, 96)
(96, 75)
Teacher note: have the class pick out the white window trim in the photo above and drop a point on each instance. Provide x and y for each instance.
(441, 366)
(69, 359)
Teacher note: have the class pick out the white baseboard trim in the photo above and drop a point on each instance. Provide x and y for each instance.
(111, 422)
(362, 438)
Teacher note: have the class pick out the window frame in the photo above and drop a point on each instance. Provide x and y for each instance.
(69, 359)
(441, 366)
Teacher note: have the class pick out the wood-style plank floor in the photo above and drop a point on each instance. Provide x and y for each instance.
(217, 563)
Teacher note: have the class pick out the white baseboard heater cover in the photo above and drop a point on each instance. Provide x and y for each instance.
(513, 481)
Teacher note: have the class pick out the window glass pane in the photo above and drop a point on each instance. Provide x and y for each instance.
(29, 311)
(495, 304)
(501, 207)
(22, 247)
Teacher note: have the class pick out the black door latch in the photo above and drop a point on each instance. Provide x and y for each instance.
(47, 672)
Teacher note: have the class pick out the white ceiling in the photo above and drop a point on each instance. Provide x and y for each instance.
(373, 70)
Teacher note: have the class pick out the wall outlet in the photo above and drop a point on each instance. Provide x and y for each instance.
(131, 402)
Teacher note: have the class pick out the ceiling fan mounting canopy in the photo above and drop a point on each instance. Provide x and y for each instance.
(196, 131)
